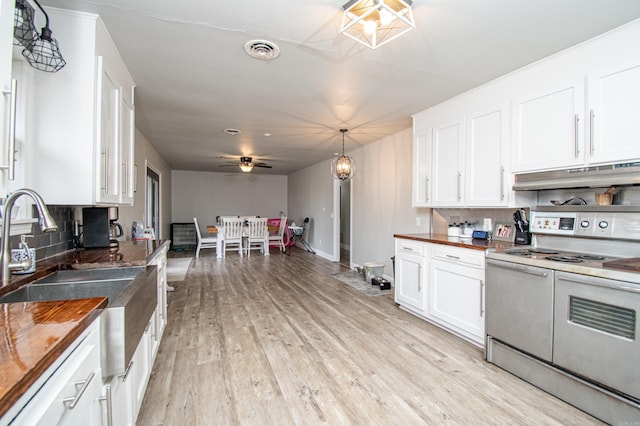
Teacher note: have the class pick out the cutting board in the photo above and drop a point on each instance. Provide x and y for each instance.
(632, 263)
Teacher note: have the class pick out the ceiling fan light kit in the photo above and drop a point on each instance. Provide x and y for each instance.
(343, 167)
(245, 164)
(375, 23)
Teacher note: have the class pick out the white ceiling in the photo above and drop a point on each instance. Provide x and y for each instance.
(194, 79)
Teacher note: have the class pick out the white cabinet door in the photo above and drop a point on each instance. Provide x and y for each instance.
(411, 274)
(6, 47)
(422, 170)
(546, 128)
(448, 157)
(140, 371)
(456, 298)
(614, 99)
(108, 131)
(121, 402)
(486, 157)
(127, 151)
(71, 396)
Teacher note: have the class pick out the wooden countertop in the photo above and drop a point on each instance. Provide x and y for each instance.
(34, 335)
(474, 244)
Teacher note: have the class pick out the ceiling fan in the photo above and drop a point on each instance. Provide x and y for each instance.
(246, 164)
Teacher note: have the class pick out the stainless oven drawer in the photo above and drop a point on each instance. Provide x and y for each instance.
(519, 306)
(596, 330)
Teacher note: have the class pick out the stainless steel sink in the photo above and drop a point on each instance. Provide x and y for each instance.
(132, 294)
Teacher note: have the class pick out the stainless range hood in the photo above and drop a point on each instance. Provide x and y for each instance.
(583, 177)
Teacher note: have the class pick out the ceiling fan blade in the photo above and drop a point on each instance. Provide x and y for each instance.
(263, 165)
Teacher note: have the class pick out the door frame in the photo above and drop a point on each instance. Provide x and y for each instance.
(149, 166)
(337, 218)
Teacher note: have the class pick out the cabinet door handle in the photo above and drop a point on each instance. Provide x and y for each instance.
(126, 372)
(575, 136)
(426, 189)
(107, 399)
(502, 183)
(592, 117)
(481, 297)
(459, 186)
(105, 161)
(11, 136)
(125, 181)
(450, 256)
(419, 278)
(73, 401)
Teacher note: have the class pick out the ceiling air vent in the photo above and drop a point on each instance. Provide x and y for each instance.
(262, 49)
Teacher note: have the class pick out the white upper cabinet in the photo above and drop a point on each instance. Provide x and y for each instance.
(6, 102)
(486, 156)
(547, 127)
(580, 107)
(614, 109)
(82, 118)
(447, 148)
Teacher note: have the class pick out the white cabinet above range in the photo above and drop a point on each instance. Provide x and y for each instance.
(82, 119)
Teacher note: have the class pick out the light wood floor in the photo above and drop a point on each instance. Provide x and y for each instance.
(277, 341)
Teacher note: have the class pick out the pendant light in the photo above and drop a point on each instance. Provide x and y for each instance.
(24, 30)
(376, 22)
(343, 167)
(44, 54)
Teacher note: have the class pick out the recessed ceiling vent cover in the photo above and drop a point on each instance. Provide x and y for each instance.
(262, 49)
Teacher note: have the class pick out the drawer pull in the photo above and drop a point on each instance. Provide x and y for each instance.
(107, 399)
(407, 248)
(450, 256)
(126, 372)
(73, 401)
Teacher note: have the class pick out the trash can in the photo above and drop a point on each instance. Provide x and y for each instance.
(373, 269)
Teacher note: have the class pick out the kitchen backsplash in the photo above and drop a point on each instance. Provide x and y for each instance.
(442, 218)
(52, 243)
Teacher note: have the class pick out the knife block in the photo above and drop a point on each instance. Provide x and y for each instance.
(523, 237)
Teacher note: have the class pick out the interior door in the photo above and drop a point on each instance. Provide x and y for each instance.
(153, 201)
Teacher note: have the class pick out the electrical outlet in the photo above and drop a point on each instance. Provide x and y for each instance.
(418, 221)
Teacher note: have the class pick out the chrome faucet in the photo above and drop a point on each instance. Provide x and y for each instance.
(47, 224)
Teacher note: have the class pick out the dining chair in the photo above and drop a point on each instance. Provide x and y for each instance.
(258, 238)
(279, 237)
(203, 243)
(232, 234)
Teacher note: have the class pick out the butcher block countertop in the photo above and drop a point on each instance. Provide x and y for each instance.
(34, 335)
(473, 244)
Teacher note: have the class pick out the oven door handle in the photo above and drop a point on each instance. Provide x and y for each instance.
(599, 282)
(520, 268)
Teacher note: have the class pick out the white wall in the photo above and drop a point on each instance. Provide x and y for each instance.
(380, 201)
(206, 195)
(145, 154)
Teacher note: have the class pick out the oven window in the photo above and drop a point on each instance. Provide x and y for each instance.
(610, 319)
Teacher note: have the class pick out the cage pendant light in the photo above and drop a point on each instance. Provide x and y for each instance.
(376, 22)
(343, 167)
(44, 53)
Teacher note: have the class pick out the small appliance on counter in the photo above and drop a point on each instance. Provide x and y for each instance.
(115, 229)
(95, 227)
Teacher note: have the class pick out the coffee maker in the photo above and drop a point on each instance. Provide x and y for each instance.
(100, 228)
(115, 229)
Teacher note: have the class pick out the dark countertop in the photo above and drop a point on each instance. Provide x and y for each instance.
(473, 244)
(129, 253)
(34, 335)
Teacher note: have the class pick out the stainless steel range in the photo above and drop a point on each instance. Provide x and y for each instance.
(563, 312)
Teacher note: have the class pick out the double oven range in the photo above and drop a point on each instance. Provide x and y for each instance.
(563, 312)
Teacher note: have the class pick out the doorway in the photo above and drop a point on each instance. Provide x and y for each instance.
(153, 202)
(345, 224)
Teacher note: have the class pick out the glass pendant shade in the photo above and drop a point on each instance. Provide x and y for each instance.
(343, 167)
(376, 22)
(246, 167)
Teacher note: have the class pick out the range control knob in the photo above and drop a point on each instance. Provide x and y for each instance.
(585, 224)
(603, 224)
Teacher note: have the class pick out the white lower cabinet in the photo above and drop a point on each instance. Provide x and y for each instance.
(411, 274)
(444, 285)
(70, 394)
